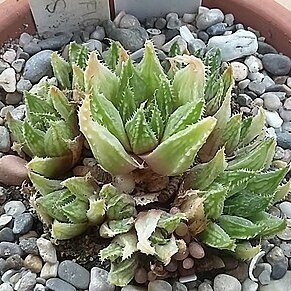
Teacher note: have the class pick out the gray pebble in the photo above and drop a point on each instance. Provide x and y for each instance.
(224, 282)
(209, 18)
(38, 66)
(271, 101)
(23, 85)
(46, 250)
(284, 140)
(56, 284)
(98, 33)
(244, 100)
(3, 66)
(277, 64)
(286, 208)
(32, 48)
(27, 282)
(39, 287)
(279, 269)
(18, 64)
(287, 103)
(128, 21)
(268, 81)
(216, 29)
(49, 270)
(23, 55)
(14, 262)
(8, 249)
(19, 112)
(14, 208)
(273, 119)
(229, 19)
(249, 285)
(94, 44)
(6, 109)
(196, 44)
(160, 23)
(25, 38)
(74, 274)
(203, 36)
(99, 280)
(159, 285)
(4, 139)
(9, 56)
(22, 223)
(6, 234)
(244, 84)
(55, 42)
(286, 125)
(177, 286)
(29, 246)
(13, 98)
(265, 277)
(173, 23)
(257, 87)
(205, 287)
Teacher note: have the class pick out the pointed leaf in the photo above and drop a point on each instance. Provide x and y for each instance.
(78, 82)
(111, 58)
(64, 231)
(282, 191)
(182, 147)
(78, 55)
(114, 227)
(245, 251)
(96, 211)
(62, 71)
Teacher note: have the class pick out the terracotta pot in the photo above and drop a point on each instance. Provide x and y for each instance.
(15, 18)
(267, 16)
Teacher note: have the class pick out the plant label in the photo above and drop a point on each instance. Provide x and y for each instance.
(147, 8)
(68, 15)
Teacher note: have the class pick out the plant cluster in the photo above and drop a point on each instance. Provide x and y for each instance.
(174, 121)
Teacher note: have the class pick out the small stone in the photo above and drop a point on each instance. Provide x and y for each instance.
(249, 285)
(257, 87)
(224, 282)
(188, 17)
(196, 250)
(19, 112)
(244, 100)
(239, 44)
(128, 21)
(186, 34)
(271, 101)
(203, 36)
(268, 81)
(3, 66)
(285, 234)
(209, 18)
(205, 287)
(23, 55)
(159, 40)
(265, 48)
(74, 274)
(14, 208)
(279, 269)
(275, 255)
(160, 23)
(29, 246)
(6, 287)
(49, 270)
(26, 283)
(38, 66)
(32, 48)
(8, 80)
(216, 29)
(286, 125)
(229, 19)
(99, 280)
(285, 114)
(173, 22)
(7, 275)
(23, 85)
(8, 249)
(284, 140)
(286, 208)
(177, 286)
(46, 250)
(244, 84)
(98, 33)
(273, 119)
(14, 262)
(287, 103)
(240, 71)
(56, 284)
(259, 77)
(6, 234)
(23, 223)
(9, 56)
(196, 44)
(254, 64)
(265, 277)
(55, 42)
(13, 98)
(94, 44)
(39, 287)
(18, 64)
(159, 285)
(25, 38)
(4, 139)
(277, 64)
(177, 39)
(33, 263)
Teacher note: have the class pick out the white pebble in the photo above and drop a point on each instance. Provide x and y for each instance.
(254, 64)
(47, 250)
(8, 80)
(240, 71)
(49, 270)
(273, 119)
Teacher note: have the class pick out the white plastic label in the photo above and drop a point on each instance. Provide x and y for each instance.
(68, 15)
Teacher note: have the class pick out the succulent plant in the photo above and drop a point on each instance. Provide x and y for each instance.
(141, 116)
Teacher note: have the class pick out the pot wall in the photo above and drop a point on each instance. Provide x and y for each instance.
(266, 16)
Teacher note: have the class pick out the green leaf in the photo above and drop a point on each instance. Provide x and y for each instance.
(34, 139)
(114, 227)
(184, 116)
(202, 175)
(169, 222)
(165, 252)
(150, 70)
(245, 251)
(238, 227)
(98, 77)
(270, 224)
(267, 183)
(96, 211)
(282, 192)
(108, 191)
(104, 112)
(78, 55)
(78, 82)
(257, 159)
(121, 273)
(231, 133)
(214, 198)
(75, 210)
(126, 106)
(44, 185)
(112, 252)
(156, 120)
(214, 236)
(64, 231)
(106, 147)
(111, 58)
(142, 138)
(182, 147)
(82, 187)
(188, 83)
(62, 71)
